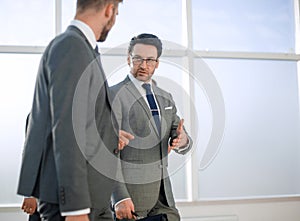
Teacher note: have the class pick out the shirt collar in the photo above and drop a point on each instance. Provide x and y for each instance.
(138, 84)
(87, 31)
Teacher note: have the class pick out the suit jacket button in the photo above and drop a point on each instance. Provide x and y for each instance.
(160, 166)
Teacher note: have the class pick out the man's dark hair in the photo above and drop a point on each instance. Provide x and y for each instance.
(97, 4)
(147, 39)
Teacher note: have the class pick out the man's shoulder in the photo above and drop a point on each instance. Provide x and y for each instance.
(69, 37)
(68, 45)
(115, 89)
(120, 85)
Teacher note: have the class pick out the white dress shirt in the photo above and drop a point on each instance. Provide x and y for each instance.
(138, 84)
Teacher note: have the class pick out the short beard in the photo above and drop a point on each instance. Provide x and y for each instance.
(106, 29)
(103, 35)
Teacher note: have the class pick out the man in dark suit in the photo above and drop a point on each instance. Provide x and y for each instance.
(68, 160)
(150, 114)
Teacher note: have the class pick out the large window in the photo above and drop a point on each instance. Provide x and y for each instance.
(18, 73)
(27, 22)
(256, 26)
(236, 86)
(259, 153)
(137, 16)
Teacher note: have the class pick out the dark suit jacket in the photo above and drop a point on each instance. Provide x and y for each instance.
(145, 159)
(68, 152)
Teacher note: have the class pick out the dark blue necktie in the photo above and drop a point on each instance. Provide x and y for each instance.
(153, 106)
(96, 50)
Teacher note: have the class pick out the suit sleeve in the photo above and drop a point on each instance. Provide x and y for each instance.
(120, 191)
(66, 67)
(174, 126)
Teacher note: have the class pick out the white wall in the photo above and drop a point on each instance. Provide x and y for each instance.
(243, 210)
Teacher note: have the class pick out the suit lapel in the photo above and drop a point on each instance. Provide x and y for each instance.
(136, 94)
(103, 76)
(160, 100)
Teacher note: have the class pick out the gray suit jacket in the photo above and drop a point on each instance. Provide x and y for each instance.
(68, 152)
(144, 161)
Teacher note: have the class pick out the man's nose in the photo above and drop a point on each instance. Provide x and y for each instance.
(144, 63)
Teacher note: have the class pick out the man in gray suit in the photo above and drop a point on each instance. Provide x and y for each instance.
(68, 160)
(149, 113)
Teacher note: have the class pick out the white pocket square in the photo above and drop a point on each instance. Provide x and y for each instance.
(168, 108)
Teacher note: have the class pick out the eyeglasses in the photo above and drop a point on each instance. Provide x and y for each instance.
(138, 61)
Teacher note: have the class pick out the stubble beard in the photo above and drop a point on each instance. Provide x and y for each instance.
(143, 77)
(106, 29)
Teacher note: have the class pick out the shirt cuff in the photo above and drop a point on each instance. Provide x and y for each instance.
(76, 212)
(117, 203)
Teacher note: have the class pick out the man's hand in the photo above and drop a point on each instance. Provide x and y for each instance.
(29, 205)
(124, 208)
(181, 140)
(124, 138)
(78, 218)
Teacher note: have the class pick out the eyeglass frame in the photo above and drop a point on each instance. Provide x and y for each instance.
(141, 60)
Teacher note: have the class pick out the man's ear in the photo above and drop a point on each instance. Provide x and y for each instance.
(157, 63)
(109, 10)
(128, 60)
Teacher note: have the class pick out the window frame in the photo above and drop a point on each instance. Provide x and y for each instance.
(192, 176)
